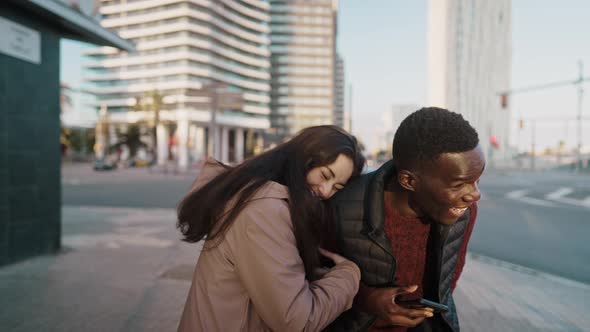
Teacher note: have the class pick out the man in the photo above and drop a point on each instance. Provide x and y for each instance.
(407, 224)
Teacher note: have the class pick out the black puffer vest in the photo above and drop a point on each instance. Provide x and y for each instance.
(359, 217)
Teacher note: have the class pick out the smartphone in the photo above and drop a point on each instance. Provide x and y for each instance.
(421, 303)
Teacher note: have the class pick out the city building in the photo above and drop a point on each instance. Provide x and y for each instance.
(390, 121)
(200, 76)
(339, 86)
(303, 56)
(30, 163)
(469, 65)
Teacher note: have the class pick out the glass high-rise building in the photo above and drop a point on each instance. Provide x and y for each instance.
(469, 60)
(303, 56)
(186, 49)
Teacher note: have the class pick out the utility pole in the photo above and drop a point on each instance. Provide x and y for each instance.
(579, 84)
(213, 128)
(579, 118)
(350, 108)
(533, 137)
(221, 98)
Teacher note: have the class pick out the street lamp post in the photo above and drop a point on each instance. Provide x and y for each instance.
(213, 128)
(579, 117)
(220, 97)
(533, 137)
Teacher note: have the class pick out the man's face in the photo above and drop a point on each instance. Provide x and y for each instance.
(445, 188)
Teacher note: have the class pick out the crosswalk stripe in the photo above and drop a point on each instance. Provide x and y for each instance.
(559, 193)
(520, 195)
(558, 196)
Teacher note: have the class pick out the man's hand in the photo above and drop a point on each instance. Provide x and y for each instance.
(381, 302)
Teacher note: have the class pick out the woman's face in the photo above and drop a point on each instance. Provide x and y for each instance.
(325, 181)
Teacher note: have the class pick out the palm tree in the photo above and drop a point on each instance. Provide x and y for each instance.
(131, 138)
(152, 102)
(65, 105)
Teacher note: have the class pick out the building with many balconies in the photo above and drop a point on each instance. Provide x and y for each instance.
(303, 56)
(203, 64)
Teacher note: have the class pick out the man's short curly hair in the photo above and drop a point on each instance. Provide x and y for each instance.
(427, 133)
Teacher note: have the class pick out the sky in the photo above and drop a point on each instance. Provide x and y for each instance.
(383, 43)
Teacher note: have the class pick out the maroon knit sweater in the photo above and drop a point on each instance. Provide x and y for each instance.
(409, 239)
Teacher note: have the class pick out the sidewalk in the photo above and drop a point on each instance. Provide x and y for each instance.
(126, 270)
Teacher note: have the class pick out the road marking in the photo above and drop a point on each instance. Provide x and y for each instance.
(556, 195)
(559, 194)
(134, 236)
(520, 195)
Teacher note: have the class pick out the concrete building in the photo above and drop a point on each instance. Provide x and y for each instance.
(469, 63)
(30, 164)
(303, 44)
(195, 56)
(390, 121)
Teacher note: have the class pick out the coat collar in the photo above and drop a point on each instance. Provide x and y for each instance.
(210, 168)
(375, 208)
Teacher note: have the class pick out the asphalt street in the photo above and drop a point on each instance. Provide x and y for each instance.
(537, 220)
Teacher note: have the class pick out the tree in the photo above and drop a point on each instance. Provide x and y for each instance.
(131, 138)
(65, 105)
(151, 102)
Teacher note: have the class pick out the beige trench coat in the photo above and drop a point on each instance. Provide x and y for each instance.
(254, 280)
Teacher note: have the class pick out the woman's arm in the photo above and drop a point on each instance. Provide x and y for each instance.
(267, 261)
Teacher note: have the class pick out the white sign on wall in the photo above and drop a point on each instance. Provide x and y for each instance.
(19, 41)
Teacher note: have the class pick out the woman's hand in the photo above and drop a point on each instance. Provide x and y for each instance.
(337, 259)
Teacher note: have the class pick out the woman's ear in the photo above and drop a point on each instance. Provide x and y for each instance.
(407, 180)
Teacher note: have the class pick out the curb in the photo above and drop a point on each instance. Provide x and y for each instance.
(526, 270)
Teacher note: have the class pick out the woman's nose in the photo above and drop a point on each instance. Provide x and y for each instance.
(325, 191)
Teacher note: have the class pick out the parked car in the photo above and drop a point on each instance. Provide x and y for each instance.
(104, 165)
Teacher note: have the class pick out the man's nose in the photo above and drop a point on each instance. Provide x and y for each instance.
(474, 195)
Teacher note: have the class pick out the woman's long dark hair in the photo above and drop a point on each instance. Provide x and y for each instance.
(201, 212)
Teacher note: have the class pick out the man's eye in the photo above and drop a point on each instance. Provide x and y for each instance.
(458, 186)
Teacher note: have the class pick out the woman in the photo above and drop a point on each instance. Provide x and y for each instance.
(259, 269)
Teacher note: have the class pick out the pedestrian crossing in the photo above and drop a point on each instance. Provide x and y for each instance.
(551, 198)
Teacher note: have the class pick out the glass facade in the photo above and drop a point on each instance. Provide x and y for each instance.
(469, 60)
(303, 44)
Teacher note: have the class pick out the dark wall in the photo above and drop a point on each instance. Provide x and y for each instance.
(30, 188)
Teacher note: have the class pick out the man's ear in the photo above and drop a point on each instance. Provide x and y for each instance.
(407, 180)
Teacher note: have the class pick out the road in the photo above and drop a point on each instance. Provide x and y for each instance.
(123, 188)
(537, 220)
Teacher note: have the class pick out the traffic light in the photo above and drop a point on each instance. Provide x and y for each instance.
(504, 100)
(494, 142)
